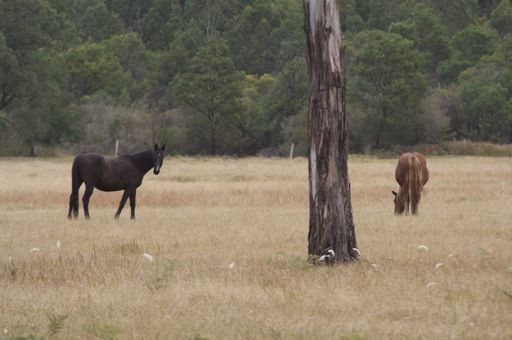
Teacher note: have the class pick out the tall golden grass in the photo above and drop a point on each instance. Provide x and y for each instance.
(228, 238)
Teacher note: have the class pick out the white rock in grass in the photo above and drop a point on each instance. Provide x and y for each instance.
(431, 285)
(148, 257)
(423, 248)
(58, 244)
(232, 265)
(33, 250)
(438, 265)
(374, 265)
(357, 251)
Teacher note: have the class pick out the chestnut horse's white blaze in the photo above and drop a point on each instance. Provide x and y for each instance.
(411, 173)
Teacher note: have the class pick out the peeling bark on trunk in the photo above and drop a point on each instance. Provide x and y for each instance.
(330, 210)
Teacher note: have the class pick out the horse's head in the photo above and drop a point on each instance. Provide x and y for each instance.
(399, 202)
(158, 158)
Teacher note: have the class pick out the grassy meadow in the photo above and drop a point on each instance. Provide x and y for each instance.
(228, 238)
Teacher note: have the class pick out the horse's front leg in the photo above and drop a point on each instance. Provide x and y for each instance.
(132, 204)
(122, 203)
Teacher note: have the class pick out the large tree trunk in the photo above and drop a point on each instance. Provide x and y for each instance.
(330, 210)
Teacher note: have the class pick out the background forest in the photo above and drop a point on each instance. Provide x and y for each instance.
(230, 76)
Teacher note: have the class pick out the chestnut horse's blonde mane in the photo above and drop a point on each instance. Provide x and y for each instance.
(415, 179)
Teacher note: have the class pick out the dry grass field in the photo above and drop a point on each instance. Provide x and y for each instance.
(228, 239)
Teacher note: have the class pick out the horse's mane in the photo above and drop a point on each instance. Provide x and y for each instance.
(415, 178)
(136, 154)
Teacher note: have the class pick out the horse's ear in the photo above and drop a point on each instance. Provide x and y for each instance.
(163, 147)
(394, 193)
(156, 146)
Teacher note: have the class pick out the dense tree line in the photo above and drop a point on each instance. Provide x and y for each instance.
(229, 76)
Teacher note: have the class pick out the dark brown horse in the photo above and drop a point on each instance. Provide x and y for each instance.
(411, 173)
(112, 174)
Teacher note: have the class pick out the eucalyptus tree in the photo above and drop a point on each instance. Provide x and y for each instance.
(331, 229)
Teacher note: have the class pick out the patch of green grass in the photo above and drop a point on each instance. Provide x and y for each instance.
(104, 331)
(161, 277)
(197, 337)
(55, 323)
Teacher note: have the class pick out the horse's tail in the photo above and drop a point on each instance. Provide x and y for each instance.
(415, 182)
(76, 181)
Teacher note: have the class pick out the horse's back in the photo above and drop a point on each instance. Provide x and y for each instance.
(90, 160)
(402, 167)
(90, 166)
(423, 166)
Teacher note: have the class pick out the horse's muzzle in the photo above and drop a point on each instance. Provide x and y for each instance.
(156, 172)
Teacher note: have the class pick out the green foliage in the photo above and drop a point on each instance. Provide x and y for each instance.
(472, 43)
(162, 68)
(469, 46)
(264, 35)
(456, 15)
(145, 65)
(11, 74)
(423, 28)
(485, 115)
(484, 110)
(278, 99)
(501, 18)
(387, 84)
(29, 25)
(98, 23)
(211, 89)
(93, 67)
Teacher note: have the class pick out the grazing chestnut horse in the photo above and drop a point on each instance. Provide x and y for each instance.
(112, 174)
(411, 173)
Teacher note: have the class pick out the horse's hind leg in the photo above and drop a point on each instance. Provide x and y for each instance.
(89, 188)
(122, 203)
(73, 204)
(76, 182)
(132, 205)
